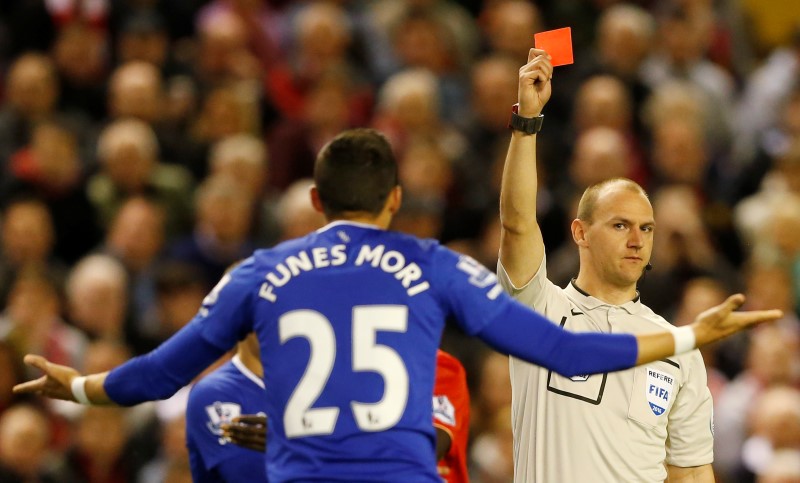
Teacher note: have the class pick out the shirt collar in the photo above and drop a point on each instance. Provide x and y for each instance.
(237, 361)
(588, 302)
(336, 223)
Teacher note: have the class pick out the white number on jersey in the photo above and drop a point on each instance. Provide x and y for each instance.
(299, 419)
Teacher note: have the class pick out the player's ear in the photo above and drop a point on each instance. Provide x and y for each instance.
(578, 229)
(395, 199)
(316, 202)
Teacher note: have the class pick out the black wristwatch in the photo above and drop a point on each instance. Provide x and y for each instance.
(528, 125)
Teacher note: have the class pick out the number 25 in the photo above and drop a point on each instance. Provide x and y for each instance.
(299, 419)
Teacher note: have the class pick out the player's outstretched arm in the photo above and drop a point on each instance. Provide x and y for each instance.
(519, 331)
(521, 245)
(713, 324)
(62, 382)
(153, 376)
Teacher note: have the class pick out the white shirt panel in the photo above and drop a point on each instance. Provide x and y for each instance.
(606, 427)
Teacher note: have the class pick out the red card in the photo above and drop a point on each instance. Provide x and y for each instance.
(557, 43)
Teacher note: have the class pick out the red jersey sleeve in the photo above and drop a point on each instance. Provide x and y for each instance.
(451, 414)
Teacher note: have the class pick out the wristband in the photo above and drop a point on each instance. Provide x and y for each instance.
(684, 339)
(79, 390)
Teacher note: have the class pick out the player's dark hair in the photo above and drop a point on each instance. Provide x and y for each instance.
(355, 172)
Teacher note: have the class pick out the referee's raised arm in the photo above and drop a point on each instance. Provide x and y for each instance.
(521, 244)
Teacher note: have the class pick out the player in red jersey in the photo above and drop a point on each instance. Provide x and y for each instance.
(451, 418)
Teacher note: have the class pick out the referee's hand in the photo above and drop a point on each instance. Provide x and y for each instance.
(248, 431)
(723, 320)
(55, 383)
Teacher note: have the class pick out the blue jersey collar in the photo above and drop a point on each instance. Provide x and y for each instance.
(336, 223)
(247, 372)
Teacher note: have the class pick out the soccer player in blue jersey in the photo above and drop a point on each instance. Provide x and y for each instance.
(348, 321)
(235, 388)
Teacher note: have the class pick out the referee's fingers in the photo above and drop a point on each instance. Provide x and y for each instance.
(754, 317)
(734, 302)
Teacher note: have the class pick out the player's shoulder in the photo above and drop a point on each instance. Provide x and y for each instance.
(286, 247)
(410, 242)
(222, 380)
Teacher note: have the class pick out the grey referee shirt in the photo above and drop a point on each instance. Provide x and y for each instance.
(616, 427)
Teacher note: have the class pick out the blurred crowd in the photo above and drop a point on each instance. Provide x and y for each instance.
(145, 145)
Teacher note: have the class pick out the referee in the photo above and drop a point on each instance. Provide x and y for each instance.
(646, 424)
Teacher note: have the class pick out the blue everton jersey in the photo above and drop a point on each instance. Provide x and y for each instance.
(349, 319)
(229, 391)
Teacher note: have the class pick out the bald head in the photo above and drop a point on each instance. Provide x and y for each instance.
(595, 193)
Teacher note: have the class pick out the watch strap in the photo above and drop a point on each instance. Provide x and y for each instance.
(527, 125)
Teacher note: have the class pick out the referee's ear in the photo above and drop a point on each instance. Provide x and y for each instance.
(579, 233)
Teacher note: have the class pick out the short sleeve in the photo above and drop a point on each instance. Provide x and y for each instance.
(534, 294)
(690, 439)
(450, 396)
(206, 411)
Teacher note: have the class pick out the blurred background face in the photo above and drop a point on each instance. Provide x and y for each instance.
(102, 433)
(222, 38)
(623, 39)
(327, 107)
(136, 92)
(684, 37)
(422, 42)
(425, 171)
(79, 53)
(32, 88)
(773, 356)
(416, 111)
(603, 101)
(97, 296)
(128, 166)
(600, 154)
(223, 115)
(32, 302)
(494, 88)
(679, 153)
(509, 27)
(143, 38)
(226, 212)
(769, 287)
(137, 233)
(322, 32)
(56, 152)
(24, 436)
(27, 234)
